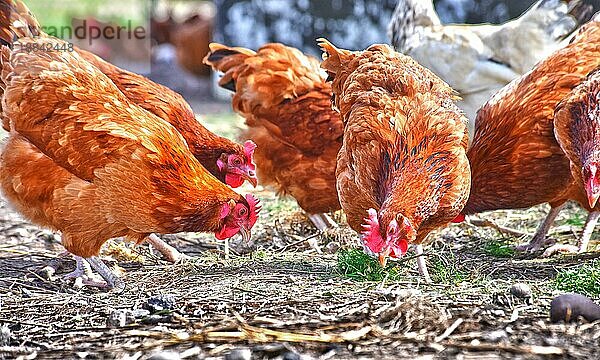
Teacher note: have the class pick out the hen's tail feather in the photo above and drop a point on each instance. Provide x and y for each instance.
(16, 21)
(227, 60)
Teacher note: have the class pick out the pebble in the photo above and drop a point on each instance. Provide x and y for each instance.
(496, 336)
(239, 354)
(165, 355)
(160, 302)
(332, 247)
(521, 290)
(117, 318)
(290, 355)
(123, 317)
(5, 335)
(139, 313)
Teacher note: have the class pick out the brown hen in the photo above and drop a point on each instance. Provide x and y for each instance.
(515, 159)
(577, 129)
(83, 159)
(285, 100)
(402, 170)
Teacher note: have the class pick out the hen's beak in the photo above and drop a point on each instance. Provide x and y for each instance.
(250, 175)
(245, 234)
(383, 257)
(593, 193)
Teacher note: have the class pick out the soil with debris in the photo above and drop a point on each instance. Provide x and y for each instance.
(286, 298)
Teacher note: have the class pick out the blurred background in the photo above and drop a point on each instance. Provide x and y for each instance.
(177, 33)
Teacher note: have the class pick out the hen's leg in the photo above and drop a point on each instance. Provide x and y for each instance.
(112, 280)
(588, 229)
(322, 221)
(169, 252)
(421, 263)
(539, 239)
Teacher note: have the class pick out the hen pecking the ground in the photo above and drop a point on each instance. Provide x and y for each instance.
(286, 102)
(402, 170)
(577, 129)
(83, 159)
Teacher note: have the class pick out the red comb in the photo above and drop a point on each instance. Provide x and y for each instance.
(249, 147)
(255, 207)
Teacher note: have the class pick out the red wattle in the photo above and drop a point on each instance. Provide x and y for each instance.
(460, 218)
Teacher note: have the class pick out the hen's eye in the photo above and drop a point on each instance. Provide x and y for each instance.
(237, 161)
(242, 211)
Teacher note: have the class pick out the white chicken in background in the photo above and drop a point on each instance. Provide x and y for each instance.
(479, 60)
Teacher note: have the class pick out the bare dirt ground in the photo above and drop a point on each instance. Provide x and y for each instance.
(285, 300)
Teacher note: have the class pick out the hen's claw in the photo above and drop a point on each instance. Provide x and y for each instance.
(539, 239)
(112, 280)
(536, 244)
(560, 248)
(588, 229)
(82, 270)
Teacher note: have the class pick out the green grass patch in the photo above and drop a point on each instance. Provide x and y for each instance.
(499, 249)
(358, 266)
(443, 270)
(576, 220)
(583, 280)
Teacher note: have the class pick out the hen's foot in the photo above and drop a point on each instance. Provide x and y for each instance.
(560, 248)
(421, 263)
(536, 244)
(83, 273)
(588, 229)
(322, 221)
(539, 240)
(170, 253)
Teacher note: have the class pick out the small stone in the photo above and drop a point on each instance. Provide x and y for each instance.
(497, 312)
(290, 355)
(496, 336)
(271, 349)
(160, 303)
(332, 247)
(165, 355)
(117, 318)
(239, 354)
(521, 290)
(26, 293)
(552, 341)
(139, 313)
(5, 335)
